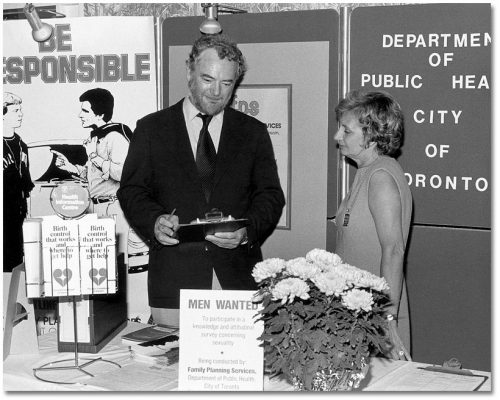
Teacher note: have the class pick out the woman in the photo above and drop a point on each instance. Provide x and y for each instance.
(373, 220)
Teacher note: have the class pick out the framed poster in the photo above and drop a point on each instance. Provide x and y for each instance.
(271, 104)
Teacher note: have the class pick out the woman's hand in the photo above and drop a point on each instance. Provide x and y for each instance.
(398, 350)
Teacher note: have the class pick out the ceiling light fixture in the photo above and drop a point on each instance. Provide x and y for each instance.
(211, 26)
(41, 30)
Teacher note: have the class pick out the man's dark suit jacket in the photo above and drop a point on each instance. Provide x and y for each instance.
(160, 174)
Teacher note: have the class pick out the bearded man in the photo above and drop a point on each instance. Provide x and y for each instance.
(194, 156)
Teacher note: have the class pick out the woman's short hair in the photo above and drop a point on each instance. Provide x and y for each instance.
(380, 116)
(225, 47)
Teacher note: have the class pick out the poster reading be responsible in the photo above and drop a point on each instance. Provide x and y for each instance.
(218, 346)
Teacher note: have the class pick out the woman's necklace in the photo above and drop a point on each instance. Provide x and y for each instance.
(349, 203)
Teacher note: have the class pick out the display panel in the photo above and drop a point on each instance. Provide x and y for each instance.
(280, 55)
(435, 59)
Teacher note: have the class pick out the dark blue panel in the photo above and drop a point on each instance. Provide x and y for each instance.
(447, 149)
(449, 287)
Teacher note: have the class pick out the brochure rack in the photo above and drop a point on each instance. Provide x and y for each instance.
(76, 361)
(69, 255)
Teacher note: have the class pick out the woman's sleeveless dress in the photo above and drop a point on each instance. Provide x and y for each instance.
(358, 244)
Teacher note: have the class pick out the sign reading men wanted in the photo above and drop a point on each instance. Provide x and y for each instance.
(218, 346)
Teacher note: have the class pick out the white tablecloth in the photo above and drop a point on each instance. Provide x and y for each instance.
(384, 375)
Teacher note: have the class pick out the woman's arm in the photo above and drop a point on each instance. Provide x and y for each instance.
(384, 201)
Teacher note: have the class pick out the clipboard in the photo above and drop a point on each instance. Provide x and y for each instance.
(455, 371)
(196, 231)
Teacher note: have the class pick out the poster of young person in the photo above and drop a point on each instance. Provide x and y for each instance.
(113, 53)
(218, 346)
(271, 104)
(117, 54)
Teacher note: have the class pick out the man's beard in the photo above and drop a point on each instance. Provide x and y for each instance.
(196, 98)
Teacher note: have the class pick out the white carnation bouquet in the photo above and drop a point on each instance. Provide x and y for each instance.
(319, 314)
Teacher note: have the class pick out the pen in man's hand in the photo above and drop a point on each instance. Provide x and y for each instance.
(174, 235)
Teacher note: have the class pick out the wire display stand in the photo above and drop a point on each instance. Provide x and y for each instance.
(76, 366)
(77, 363)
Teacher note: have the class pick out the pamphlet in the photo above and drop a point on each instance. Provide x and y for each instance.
(70, 257)
(158, 356)
(60, 256)
(32, 235)
(153, 335)
(98, 255)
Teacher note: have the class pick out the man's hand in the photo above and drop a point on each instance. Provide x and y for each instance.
(166, 226)
(90, 145)
(63, 163)
(228, 240)
(398, 350)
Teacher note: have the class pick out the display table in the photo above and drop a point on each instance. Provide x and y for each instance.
(384, 375)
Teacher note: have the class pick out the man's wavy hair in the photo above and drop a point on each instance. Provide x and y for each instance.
(380, 116)
(225, 49)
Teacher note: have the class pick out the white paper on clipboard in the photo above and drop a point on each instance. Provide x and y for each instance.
(412, 378)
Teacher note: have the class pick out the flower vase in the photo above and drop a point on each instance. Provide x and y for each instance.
(342, 380)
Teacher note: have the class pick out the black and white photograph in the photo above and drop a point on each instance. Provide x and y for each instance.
(248, 198)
